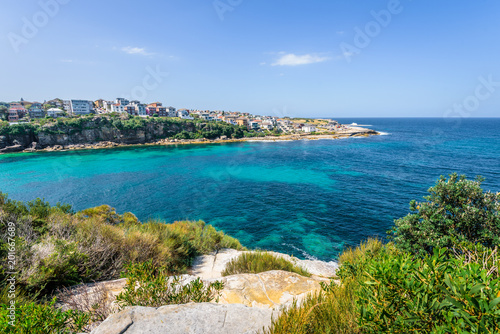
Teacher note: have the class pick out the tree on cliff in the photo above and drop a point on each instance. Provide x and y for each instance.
(3, 113)
(457, 210)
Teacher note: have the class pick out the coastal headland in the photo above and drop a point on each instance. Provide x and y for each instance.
(104, 132)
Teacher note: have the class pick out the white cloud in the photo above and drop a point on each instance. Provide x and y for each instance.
(136, 51)
(294, 60)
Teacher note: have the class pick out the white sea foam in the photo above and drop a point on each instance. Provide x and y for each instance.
(268, 140)
(384, 133)
(303, 252)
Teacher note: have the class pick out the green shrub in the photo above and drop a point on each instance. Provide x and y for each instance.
(385, 290)
(257, 262)
(456, 210)
(33, 318)
(104, 212)
(150, 285)
(438, 293)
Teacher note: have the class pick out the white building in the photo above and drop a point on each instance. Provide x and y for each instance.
(171, 112)
(79, 107)
(267, 125)
(255, 125)
(206, 116)
(55, 112)
(107, 105)
(119, 108)
(139, 108)
(121, 101)
(184, 114)
(285, 125)
(309, 128)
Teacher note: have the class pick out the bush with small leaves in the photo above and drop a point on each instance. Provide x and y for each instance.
(456, 210)
(33, 318)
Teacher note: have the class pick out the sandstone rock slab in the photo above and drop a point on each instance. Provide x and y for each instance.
(272, 289)
(201, 318)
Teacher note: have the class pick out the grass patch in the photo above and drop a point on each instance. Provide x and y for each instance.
(257, 262)
(332, 310)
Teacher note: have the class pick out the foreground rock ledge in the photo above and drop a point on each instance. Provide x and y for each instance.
(201, 318)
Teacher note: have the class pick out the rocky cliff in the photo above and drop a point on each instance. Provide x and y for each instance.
(88, 131)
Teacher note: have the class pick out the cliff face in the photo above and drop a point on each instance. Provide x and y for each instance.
(92, 131)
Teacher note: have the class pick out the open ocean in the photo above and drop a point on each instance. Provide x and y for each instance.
(306, 198)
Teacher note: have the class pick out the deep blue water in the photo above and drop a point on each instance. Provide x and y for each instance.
(307, 198)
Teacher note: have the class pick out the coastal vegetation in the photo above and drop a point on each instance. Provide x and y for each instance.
(449, 282)
(258, 262)
(438, 273)
(177, 128)
(52, 247)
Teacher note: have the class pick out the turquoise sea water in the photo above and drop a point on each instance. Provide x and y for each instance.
(307, 198)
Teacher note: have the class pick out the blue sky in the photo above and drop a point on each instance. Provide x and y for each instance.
(282, 57)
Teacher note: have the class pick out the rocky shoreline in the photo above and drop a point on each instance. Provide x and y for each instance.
(36, 147)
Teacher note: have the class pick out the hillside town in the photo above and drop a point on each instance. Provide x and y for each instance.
(25, 111)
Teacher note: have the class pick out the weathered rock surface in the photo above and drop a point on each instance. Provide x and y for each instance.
(202, 318)
(271, 289)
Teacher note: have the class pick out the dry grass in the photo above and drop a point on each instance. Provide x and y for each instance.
(94, 299)
(368, 248)
(330, 311)
(257, 262)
